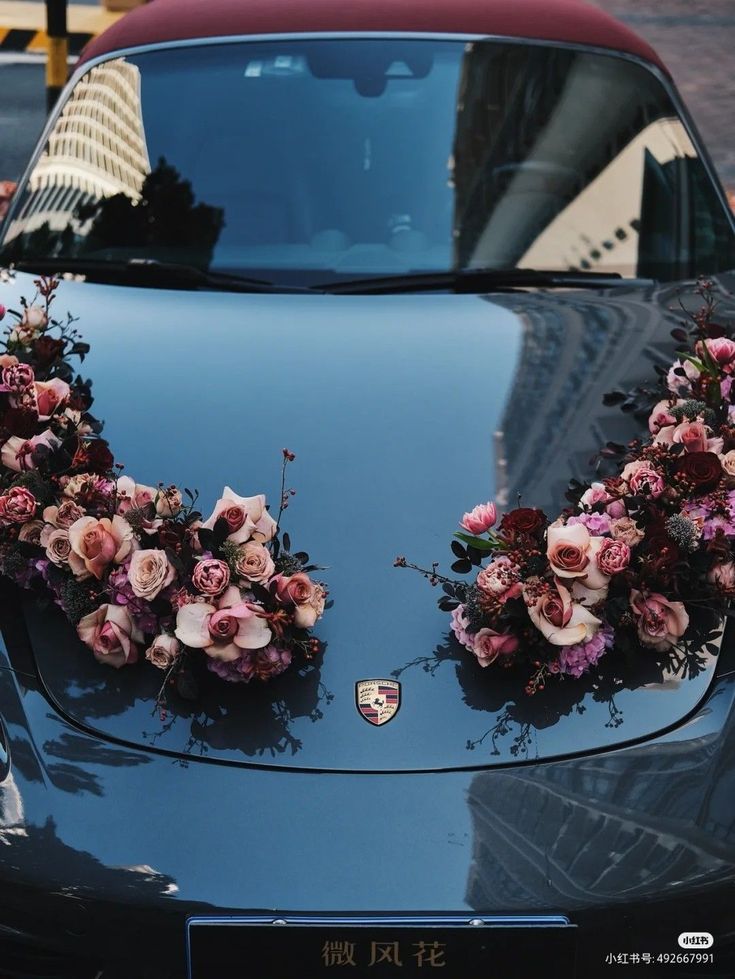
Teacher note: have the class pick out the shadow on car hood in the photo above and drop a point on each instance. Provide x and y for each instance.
(403, 412)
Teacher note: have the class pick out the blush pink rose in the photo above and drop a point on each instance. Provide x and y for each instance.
(18, 505)
(211, 576)
(626, 529)
(305, 596)
(55, 541)
(572, 553)
(111, 634)
(63, 515)
(487, 645)
(30, 533)
(100, 543)
(613, 556)
(481, 519)
(223, 630)
(33, 322)
(254, 563)
(723, 577)
(246, 517)
(661, 623)
(560, 620)
(643, 479)
(50, 397)
(697, 437)
(164, 651)
(500, 580)
(150, 571)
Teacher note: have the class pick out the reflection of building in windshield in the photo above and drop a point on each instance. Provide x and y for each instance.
(566, 160)
(611, 829)
(599, 228)
(574, 350)
(97, 149)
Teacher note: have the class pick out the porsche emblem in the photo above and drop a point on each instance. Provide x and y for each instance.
(378, 700)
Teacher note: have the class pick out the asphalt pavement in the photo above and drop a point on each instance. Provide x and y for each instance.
(22, 112)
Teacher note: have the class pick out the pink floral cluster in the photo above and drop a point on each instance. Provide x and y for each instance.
(134, 567)
(620, 567)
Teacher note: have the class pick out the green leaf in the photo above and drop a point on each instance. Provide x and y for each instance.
(479, 543)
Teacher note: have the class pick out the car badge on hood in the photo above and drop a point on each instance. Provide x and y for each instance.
(378, 700)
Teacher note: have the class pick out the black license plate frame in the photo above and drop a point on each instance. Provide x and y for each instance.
(331, 947)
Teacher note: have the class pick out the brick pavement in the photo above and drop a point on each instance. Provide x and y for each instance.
(696, 39)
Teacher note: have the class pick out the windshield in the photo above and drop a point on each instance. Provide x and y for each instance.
(305, 161)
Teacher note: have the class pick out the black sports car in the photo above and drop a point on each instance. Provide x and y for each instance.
(416, 241)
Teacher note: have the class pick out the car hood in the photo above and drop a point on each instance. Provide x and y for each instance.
(403, 412)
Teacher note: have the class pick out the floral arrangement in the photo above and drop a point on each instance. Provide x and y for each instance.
(135, 567)
(635, 555)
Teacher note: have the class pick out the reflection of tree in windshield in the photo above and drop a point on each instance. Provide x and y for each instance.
(166, 216)
(166, 223)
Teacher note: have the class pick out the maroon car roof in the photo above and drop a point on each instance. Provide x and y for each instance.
(547, 20)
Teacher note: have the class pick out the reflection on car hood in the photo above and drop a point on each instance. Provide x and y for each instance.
(403, 412)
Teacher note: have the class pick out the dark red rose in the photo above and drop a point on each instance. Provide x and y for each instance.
(702, 469)
(47, 350)
(523, 520)
(19, 421)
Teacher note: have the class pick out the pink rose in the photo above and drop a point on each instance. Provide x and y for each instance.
(616, 509)
(18, 378)
(661, 623)
(149, 573)
(18, 505)
(627, 530)
(500, 580)
(100, 543)
(246, 517)
(595, 494)
(164, 651)
(222, 630)
(460, 625)
(560, 620)
(55, 541)
(63, 515)
(722, 351)
(111, 634)
(211, 576)
(50, 396)
(487, 645)
(643, 479)
(254, 563)
(723, 577)
(697, 437)
(30, 533)
(481, 519)
(613, 556)
(661, 417)
(572, 553)
(306, 597)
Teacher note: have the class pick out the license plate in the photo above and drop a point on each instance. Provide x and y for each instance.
(300, 948)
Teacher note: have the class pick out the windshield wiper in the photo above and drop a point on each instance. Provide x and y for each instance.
(477, 280)
(154, 273)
